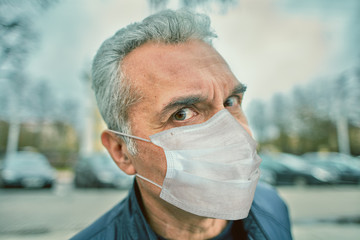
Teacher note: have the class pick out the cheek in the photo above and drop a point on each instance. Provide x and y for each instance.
(243, 121)
(151, 162)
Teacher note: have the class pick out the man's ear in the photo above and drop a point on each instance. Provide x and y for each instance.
(118, 151)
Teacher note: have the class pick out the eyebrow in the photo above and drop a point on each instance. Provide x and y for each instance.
(194, 99)
(182, 101)
(240, 88)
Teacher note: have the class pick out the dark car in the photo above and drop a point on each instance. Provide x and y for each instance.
(27, 169)
(98, 170)
(346, 167)
(288, 169)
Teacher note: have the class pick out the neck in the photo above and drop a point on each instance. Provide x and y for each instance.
(171, 222)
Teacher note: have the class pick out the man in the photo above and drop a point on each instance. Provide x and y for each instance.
(173, 109)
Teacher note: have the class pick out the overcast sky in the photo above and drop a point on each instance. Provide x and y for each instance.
(271, 45)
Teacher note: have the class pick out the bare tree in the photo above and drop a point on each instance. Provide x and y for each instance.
(18, 38)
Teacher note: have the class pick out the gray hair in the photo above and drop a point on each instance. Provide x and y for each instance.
(113, 90)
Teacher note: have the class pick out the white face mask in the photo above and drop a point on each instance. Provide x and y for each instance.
(212, 167)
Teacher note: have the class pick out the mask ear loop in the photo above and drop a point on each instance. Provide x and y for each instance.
(148, 180)
(131, 136)
(141, 139)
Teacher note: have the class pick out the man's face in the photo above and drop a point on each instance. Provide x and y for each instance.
(180, 84)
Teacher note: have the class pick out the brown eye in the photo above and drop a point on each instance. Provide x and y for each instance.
(183, 114)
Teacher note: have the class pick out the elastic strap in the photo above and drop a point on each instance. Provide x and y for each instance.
(144, 178)
(127, 135)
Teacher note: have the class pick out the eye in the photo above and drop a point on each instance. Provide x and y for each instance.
(183, 114)
(232, 101)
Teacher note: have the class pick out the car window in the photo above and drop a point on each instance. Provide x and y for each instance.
(23, 161)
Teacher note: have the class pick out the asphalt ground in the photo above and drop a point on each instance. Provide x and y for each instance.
(328, 212)
(324, 213)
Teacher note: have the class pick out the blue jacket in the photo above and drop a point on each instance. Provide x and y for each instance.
(268, 219)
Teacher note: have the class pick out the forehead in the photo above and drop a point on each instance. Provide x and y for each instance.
(158, 65)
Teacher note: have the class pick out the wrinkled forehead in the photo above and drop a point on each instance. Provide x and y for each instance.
(156, 62)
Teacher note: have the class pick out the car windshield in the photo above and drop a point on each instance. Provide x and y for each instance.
(26, 161)
(293, 162)
(338, 160)
(269, 163)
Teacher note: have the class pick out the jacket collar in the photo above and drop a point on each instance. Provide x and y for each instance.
(140, 229)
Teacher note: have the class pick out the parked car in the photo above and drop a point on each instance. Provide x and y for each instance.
(27, 169)
(346, 167)
(288, 169)
(98, 170)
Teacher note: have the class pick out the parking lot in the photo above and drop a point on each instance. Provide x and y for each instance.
(326, 212)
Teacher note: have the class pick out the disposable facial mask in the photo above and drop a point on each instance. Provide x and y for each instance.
(212, 167)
